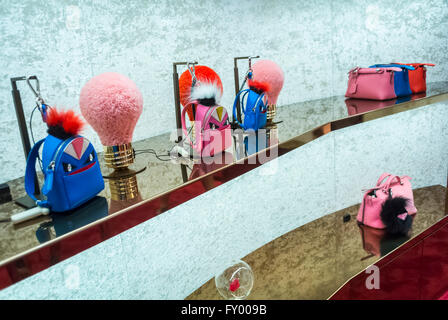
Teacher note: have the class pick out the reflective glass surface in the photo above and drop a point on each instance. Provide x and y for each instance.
(161, 177)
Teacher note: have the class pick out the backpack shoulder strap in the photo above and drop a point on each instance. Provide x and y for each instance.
(30, 171)
(258, 108)
(235, 118)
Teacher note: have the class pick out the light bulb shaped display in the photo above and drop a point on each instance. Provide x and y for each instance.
(269, 72)
(235, 282)
(112, 103)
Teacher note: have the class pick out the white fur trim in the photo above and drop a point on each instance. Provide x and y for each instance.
(206, 90)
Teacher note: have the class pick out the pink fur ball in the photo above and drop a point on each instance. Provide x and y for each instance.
(111, 103)
(270, 72)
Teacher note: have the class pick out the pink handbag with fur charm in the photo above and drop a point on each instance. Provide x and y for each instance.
(389, 205)
(371, 83)
(212, 130)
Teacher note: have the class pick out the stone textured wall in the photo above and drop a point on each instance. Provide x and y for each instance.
(65, 43)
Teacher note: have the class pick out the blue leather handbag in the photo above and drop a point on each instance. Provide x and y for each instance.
(401, 79)
(71, 171)
(254, 107)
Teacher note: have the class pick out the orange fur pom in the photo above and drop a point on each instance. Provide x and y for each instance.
(203, 74)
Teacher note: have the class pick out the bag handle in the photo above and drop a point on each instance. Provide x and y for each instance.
(357, 70)
(30, 174)
(416, 64)
(184, 128)
(390, 181)
(383, 176)
(392, 65)
(234, 106)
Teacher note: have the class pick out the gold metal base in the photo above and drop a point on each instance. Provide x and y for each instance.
(119, 156)
(124, 186)
(270, 114)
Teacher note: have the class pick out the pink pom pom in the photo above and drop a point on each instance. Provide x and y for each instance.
(270, 72)
(234, 285)
(111, 103)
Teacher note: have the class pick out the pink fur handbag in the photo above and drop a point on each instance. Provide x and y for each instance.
(371, 83)
(389, 205)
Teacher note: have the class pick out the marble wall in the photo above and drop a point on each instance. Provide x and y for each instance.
(171, 255)
(316, 42)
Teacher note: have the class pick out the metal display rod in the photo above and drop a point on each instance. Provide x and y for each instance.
(25, 201)
(237, 81)
(178, 111)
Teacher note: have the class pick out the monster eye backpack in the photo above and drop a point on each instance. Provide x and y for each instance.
(212, 130)
(72, 174)
(211, 121)
(253, 104)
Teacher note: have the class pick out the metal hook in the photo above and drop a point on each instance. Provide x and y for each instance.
(192, 71)
(36, 91)
(249, 71)
(250, 61)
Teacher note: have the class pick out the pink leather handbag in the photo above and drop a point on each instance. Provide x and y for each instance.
(371, 83)
(212, 130)
(389, 205)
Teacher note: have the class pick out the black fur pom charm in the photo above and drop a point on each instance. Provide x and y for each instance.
(394, 216)
(63, 124)
(208, 102)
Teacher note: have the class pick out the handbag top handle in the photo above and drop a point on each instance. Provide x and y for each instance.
(416, 64)
(396, 65)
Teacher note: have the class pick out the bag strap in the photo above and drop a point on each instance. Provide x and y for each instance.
(30, 173)
(391, 65)
(234, 106)
(184, 127)
(258, 108)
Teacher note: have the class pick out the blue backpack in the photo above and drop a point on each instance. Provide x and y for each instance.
(71, 171)
(253, 108)
(401, 79)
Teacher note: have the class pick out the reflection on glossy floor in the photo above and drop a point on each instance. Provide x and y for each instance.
(314, 260)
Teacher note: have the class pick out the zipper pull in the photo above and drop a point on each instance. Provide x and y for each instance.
(49, 177)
